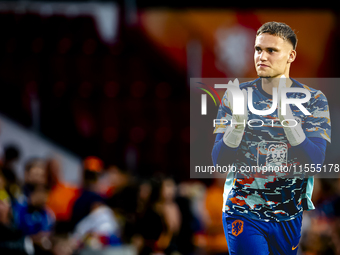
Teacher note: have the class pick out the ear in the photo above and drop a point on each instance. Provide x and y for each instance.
(292, 56)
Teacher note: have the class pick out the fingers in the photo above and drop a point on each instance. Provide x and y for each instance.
(245, 95)
(282, 83)
(230, 96)
(236, 84)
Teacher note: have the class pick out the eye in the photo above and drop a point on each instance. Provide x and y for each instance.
(270, 50)
(258, 49)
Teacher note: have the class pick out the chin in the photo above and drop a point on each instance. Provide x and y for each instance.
(263, 75)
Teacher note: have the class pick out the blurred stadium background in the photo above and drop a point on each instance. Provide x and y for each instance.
(110, 80)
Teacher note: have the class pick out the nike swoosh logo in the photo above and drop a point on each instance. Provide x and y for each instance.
(293, 248)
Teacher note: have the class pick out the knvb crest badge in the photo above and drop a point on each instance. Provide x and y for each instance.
(237, 227)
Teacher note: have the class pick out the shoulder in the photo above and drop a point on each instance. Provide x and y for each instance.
(314, 92)
(316, 95)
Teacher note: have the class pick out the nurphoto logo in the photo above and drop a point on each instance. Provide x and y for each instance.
(238, 100)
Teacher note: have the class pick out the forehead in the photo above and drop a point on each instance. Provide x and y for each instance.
(268, 40)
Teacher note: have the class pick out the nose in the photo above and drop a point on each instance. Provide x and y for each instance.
(263, 56)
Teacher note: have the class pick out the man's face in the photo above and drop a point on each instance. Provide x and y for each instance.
(36, 175)
(272, 56)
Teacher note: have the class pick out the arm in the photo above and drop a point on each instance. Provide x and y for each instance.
(229, 137)
(221, 153)
(310, 151)
(308, 141)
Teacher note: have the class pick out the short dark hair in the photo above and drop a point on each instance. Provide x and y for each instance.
(279, 29)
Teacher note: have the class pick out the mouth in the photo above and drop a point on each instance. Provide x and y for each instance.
(262, 65)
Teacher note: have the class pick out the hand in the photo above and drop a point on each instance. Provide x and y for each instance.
(294, 134)
(238, 118)
(289, 114)
(234, 133)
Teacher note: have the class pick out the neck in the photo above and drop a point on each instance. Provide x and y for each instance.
(273, 82)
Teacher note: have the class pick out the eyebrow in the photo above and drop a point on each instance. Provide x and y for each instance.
(267, 48)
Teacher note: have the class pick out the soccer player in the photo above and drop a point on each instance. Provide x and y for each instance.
(262, 211)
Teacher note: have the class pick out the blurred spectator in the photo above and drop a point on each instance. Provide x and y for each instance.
(34, 219)
(196, 192)
(11, 239)
(35, 173)
(216, 241)
(122, 192)
(189, 225)
(4, 196)
(89, 198)
(148, 225)
(62, 195)
(168, 209)
(110, 181)
(95, 224)
(11, 157)
(98, 229)
(165, 221)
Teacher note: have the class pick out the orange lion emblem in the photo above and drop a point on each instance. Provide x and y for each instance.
(237, 227)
